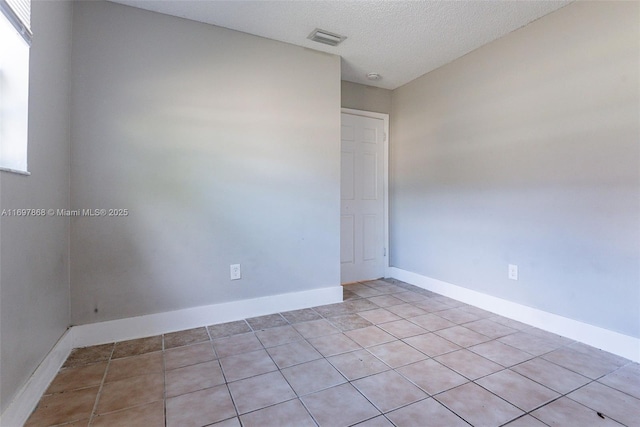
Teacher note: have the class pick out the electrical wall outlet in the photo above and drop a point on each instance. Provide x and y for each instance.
(513, 272)
(234, 272)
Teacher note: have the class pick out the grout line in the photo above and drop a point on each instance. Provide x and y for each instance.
(99, 394)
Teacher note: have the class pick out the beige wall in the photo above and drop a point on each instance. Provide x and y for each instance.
(367, 98)
(526, 151)
(222, 149)
(34, 252)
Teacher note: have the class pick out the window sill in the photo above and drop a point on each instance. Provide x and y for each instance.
(18, 172)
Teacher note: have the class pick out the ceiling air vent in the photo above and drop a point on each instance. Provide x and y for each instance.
(326, 37)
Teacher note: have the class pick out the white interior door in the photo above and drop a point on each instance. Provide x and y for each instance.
(362, 252)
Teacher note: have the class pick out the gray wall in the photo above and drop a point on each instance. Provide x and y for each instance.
(222, 149)
(34, 252)
(367, 98)
(526, 151)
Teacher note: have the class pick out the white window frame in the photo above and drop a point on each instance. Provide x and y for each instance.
(14, 87)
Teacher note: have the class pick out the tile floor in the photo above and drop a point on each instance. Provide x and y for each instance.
(390, 354)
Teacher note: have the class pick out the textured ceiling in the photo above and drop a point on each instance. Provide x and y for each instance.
(400, 40)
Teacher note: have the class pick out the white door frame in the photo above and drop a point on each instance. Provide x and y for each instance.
(385, 187)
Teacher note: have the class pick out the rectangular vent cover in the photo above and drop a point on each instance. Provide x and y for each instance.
(326, 37)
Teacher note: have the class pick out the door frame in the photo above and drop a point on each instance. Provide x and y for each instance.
(385, 186)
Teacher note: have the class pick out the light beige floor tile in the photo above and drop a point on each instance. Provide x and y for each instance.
(193, 378)
(80, 377)
(149, 415)
(380, 315)
(483, 314)
(462, 336)
(261, 391)
(135, 365)
(132, 391)
(458, 316)
(452, 303)
(200, 408)
(589, 365)
(349, 322)
(389, 390)
(330, 310)
(137, 347)
(477, 406)
(228, 329)
(526, 421)
(88, 355)
(500, 353)
(406, 310)
(59, 408)
(409, 296)
(348, 295)
(431, 376)
(566, 412)
(357, 364)
(231, 422)
(370, 336)
(266, 322)
(514, 324)
(315, 328)
(468, 364)
(431, 344)
(550, 375)
(366, 291)
(290, 413)
(625, 379)
(490, 328)
(432, 322)
(79, 423)
(360, 305)
(188, 355)
(379, 421)
(389, 287)
(397, 353)
(303, 315)
(385, 300)
(189, 336)
(278, 335)
(402, 328)
(611, 403)
(597, 353)
(247, 365)
(606, 358)
(350, 288)
(236, 344)
(518, 390)
(432, 305)
(339, 406)
(554, 338)
(293, 354)
(529, 343)
(312, 376)
(331, 345)
(426, 413)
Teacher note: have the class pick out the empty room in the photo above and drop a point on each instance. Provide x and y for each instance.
(319, 213)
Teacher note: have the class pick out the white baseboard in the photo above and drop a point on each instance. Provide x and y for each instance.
(153, 324)
(604, 339)
(171, 321)
(28, 397)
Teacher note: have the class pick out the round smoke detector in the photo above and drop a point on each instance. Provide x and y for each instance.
(374, 76)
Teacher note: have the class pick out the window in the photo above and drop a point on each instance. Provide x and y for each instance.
(15, 34)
